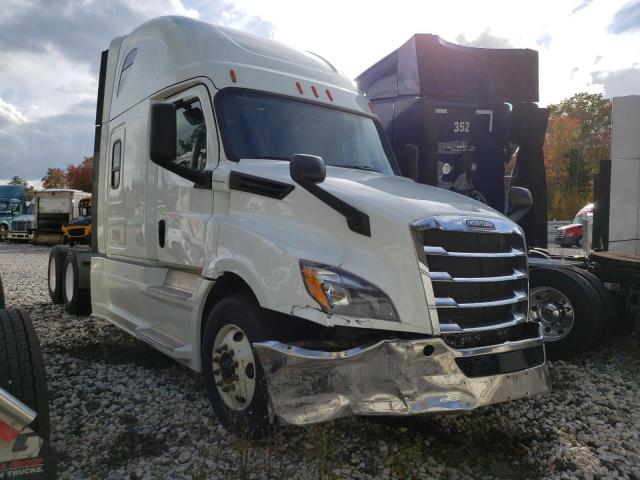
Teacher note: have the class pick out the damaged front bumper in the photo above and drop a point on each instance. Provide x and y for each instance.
(398, 377)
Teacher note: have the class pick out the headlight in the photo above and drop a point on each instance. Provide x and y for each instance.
(342, 293)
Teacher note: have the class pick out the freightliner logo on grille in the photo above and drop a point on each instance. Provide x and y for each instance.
(477, 223)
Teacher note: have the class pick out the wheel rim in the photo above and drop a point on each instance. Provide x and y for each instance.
(68, 282)
(553, 310)
(52, 274)
(234, 367)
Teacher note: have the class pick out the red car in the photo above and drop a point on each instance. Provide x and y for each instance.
(571, 235)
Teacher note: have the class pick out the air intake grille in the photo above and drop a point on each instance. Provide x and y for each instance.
(500, 363)
(479, 278)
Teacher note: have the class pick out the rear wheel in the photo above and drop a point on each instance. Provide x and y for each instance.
(233, 375)
(22, 371)
(569, 309)
(77, 301)
(57, 256)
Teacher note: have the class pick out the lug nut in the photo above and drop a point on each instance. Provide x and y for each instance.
(216, 372)
(235, 364)
(215, 359)
(241, 399)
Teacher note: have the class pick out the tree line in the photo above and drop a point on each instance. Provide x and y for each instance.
(578, 138)
(76, 177)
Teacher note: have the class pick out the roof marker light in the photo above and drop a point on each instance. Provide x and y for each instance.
(329, 96)
(232, 74)
(314, 90)
(299, 86)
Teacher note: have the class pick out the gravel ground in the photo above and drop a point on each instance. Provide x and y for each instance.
(121, 410)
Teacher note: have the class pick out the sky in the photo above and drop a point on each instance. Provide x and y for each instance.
(50, 51)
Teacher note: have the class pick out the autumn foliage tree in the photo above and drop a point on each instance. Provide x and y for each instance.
(578, 138)
(55, 178)
(79, 176)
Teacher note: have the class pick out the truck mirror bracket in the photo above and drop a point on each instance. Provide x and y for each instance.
(308, 171)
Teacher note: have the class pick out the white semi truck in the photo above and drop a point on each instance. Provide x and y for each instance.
(249, 221)
(54, 208)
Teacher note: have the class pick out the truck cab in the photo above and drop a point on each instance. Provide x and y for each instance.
(250, 222)
(13, 201)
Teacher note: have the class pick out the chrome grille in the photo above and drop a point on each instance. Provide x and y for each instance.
(20, 226)
(478, 276)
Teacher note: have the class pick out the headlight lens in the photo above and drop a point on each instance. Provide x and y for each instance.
(342, 293)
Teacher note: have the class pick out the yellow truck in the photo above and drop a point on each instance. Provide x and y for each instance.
(79, 229)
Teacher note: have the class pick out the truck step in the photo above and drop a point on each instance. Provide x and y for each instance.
(173, 347)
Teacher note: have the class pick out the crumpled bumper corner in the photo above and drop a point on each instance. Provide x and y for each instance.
(391, 377)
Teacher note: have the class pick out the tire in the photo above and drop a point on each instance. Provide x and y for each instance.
(3, 233)
(77, 301)
(57, 256)
(612, 323)
(584, 307)
(2, 304)
(22, 371)
(251, 417)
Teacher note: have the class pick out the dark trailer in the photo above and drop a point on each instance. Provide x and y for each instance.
(471, 114)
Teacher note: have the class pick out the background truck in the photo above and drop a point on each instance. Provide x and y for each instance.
(22, 226)
(78, 230)
(55, 208)
(465, 119)
(249, 221)
(13, 201)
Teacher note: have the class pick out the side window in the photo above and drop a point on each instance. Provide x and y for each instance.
(116, 161)
(191, 138)
(126, 67)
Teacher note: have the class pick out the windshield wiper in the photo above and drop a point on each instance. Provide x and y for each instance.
(366, 168)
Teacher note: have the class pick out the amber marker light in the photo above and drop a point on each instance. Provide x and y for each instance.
(299, 87)
(232, 74)
(329, 96)
(314, 286)
(314, 90)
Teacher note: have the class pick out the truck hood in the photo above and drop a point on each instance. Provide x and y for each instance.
(25, 217)
(377, 194)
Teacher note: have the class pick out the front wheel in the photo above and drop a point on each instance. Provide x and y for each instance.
(3, 233)
(233, 376)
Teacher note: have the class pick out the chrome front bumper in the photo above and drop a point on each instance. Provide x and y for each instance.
(14, 413)
(391, 377)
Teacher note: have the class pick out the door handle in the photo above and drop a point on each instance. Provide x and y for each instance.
(161, 233)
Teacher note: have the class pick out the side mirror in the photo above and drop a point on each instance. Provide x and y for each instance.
(163, 131)
(521, 202)
(162, 144)
(307, 169)
(408, 160)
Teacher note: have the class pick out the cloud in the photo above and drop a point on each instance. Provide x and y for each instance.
(627, 19)
(485, 40)
(544, 40)
(619, 82)
(9, 114)
(49, 60)
(30, 147)
(584, 4)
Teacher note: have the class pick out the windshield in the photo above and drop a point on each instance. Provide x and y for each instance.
(4, 206)
(264, 126)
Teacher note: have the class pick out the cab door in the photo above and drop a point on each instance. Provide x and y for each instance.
(179, 210)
